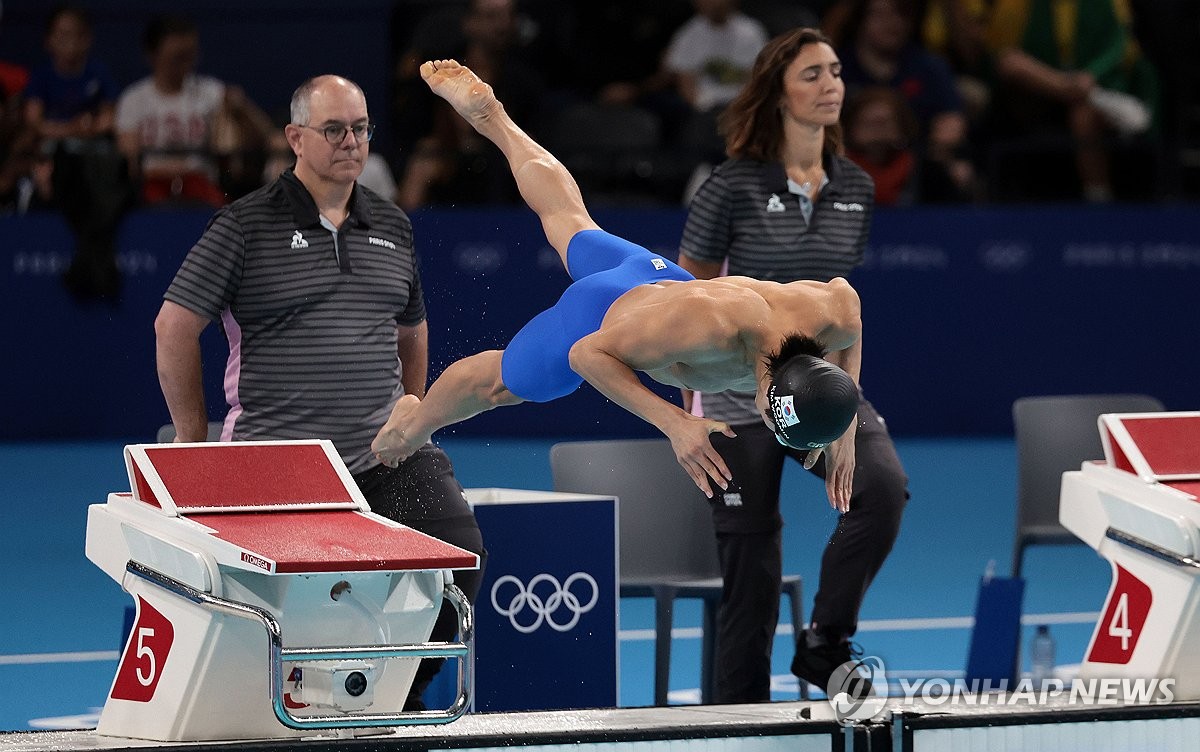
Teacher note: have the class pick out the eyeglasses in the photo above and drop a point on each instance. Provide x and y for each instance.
(336, 132)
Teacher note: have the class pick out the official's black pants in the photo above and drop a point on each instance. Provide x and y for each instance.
(424, 494)
(748, 525)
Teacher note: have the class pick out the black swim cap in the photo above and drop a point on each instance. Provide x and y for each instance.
(812, 402)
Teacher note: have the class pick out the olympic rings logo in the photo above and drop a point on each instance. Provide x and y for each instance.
(545, 605)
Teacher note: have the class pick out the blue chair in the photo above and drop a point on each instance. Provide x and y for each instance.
(1055, 434)
(667, 545)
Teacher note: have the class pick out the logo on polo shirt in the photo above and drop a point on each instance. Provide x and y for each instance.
(298, 240)
(380, 241)
(658, 264)
(774, 204)
(851, 207)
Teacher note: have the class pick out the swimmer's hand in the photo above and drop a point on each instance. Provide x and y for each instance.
(694, 450)
(839, 471)
(401, 436)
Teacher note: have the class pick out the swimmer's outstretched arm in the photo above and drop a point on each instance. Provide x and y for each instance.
(544, 183)
(591, 358)
(840, 454)
(466, 388)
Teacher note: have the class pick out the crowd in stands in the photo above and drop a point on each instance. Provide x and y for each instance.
(947, 101)
(75, 141)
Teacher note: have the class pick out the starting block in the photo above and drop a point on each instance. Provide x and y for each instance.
(271, 602)
(1140, 509)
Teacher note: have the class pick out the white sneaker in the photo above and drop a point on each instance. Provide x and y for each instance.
(1124, 112)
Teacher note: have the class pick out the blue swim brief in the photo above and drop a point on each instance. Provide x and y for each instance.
(535, 365)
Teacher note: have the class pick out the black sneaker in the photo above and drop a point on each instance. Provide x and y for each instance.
(816, 665)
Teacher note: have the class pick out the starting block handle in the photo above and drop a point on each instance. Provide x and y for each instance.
(277, 654)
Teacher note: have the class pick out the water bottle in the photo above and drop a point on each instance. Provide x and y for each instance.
(1041, 656)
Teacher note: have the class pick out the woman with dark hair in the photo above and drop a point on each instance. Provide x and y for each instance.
(786, 206)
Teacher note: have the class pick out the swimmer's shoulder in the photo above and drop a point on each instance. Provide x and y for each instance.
(841, 289)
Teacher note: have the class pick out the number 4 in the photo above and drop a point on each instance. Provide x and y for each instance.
(1119, 625)
(143, 650)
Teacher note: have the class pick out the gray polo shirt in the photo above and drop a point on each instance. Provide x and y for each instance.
(744, 214)
(310, 314)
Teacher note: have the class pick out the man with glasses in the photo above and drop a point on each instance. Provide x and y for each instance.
(314, 280)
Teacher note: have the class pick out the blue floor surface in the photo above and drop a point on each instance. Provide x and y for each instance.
(62, 618)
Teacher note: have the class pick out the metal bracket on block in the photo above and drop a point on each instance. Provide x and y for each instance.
(1148, 548)
(278, 654)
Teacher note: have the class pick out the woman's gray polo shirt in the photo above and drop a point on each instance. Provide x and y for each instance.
(745, 214)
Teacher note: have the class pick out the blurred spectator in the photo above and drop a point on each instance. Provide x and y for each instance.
(703, 67)
(377, 175)
(781, 16)
(629, 36)
(16, 140)
(174, 124)
(710, 56)
(705, 64)
(13, 77)
(880, 133)
(1168, 32)
(279, 152)
(881, 50)
(450, 162)
(957, 30)
(71, 95)
(1073, 65)
(69, 106)
(618, 130)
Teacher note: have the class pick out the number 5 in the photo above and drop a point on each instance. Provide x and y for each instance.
(143, 650)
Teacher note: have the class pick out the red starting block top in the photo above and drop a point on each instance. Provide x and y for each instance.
(1189, 487)
(1154, 446)
(281, 506)
(241, 476)
(329, 541)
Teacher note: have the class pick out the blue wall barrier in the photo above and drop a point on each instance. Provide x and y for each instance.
(964, 311)
(546, 615)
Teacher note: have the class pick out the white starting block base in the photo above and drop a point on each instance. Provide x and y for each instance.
(1139, 509)
(271, 602)
(767, 727)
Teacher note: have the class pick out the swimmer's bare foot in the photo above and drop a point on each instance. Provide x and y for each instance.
(470, 96)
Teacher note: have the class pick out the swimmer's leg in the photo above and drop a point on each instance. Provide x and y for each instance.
(594, 251)
(466, 388)
(536, 363)
(544, 183)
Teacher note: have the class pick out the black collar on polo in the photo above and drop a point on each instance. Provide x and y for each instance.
(774, 176)
(304, 209)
